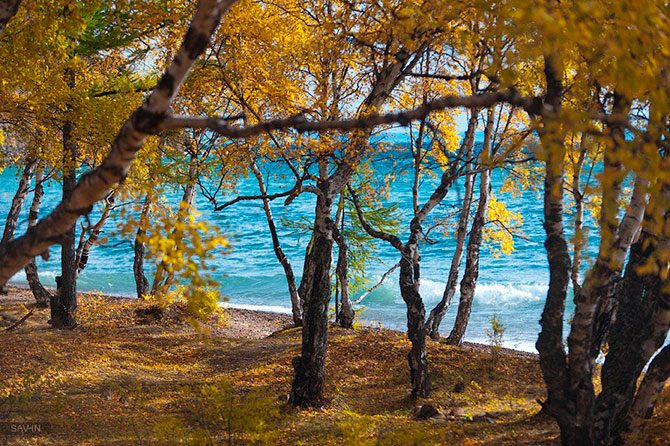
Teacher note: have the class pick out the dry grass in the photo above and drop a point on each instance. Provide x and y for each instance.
(121, 379)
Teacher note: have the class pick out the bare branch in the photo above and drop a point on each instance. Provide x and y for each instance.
(377, 285)
(376, 233)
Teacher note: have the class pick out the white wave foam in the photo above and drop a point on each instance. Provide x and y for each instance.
(266, 308)
(509, 294)
(490, 293)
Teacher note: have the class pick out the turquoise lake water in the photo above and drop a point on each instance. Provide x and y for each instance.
(512, 287)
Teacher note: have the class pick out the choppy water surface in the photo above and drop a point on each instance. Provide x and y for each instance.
(512, 287)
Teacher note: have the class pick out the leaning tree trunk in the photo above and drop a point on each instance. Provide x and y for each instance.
(42, 296)
(307, 389)
(416, 314)
(296, 303)
(639, 330)
(440, 310)
(148, 119)
(651, 387)
(64, 304)
(469, 281)
(141, 282)
(17, 205)
(17, 202)
(84, 250)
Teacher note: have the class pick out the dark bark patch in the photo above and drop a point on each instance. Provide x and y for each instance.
(195, 43)
(167, 83)
(146, 121)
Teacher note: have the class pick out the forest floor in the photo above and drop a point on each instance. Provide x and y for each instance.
(127, 376)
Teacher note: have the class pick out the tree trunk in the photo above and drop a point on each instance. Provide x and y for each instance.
(437, 314)
(8, 9)
(315, 286)
(605, 311)
(83, 251)
(553, 361)
(345, 315)
(42, 296)
(17, 202)
(16, 206)
(471, 273)
(64, 304)
(147, 119)
(651, 387)
(416, 329)
(296, 303)
(640, 329)
(141, 282)
(578, 197)
(307, 389)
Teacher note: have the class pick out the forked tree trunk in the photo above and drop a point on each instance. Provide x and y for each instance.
(471, 273)
(640, 329)
(315, 284)
(64, 304)
(308, 382)
(438, 313)
(141, 282)
(296, 303)
(42, 296)
(416, 313)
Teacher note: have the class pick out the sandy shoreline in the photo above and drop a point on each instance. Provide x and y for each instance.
(242, 323)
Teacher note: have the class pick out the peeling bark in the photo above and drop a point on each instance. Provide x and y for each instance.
(96, 184)
(410, 275)
(637, 333)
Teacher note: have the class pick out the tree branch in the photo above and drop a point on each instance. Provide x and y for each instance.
(300, 124)
(376, 233)
(94, 185)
